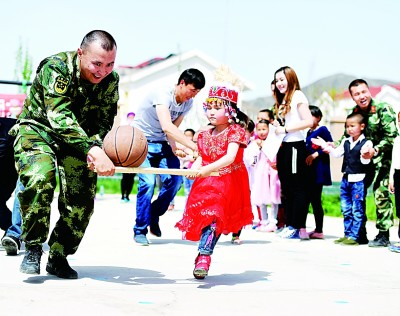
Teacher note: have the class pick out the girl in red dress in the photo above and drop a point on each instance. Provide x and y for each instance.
(218, 204)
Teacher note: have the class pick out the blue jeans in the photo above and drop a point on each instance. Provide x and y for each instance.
(208, 240)
(352, 206)
(15, 229)
(159, 155)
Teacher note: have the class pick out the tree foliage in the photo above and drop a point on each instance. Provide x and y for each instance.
(23, 67)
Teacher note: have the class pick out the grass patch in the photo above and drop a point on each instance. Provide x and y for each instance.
(331, 206)
(330, 195)
(112, 185)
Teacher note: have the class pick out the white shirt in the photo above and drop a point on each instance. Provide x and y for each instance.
(294, 116)
(339, 152)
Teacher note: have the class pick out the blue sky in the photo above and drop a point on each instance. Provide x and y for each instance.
(317, 38)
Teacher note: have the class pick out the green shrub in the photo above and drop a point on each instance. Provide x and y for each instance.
(112, 185)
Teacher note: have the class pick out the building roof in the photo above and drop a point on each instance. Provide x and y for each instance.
(373, 90)
(159, 64)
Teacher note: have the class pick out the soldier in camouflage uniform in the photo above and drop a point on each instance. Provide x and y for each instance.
(70, 108)
(381, 130)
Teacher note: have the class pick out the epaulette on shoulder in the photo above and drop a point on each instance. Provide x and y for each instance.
(55, 62)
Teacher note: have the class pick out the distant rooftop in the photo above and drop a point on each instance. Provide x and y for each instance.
(147, 62)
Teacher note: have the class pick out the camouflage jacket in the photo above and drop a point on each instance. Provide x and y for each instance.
(67, 110)
(381, 128)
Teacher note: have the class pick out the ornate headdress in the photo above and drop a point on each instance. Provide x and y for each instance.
(225, 91)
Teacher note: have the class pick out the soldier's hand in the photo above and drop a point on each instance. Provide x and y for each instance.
(100, 162)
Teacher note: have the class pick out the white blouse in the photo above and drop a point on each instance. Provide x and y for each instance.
(294, 116)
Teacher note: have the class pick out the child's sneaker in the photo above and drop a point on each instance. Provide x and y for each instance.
(256, 225)
(394, 247)
(261, 228)
(291, 233)
(271, 228)
(202, 265)
(236, 241)
(303, 234)
(340, 240)
(350, 242)
(280, 230)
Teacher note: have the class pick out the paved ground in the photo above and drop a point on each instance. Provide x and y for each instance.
(263, 275)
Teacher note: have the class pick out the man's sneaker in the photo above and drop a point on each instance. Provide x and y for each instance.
(155, 229)
(31, 262)
(303, 234)
(59, 267)
(141, 239)
(11, 244)
(395, 247)
(350, 242)
(340, 240)
(381, 240)
(202, 265)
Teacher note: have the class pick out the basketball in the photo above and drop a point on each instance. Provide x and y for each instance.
(126, 146)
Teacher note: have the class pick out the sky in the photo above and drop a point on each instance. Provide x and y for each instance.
(317, 38)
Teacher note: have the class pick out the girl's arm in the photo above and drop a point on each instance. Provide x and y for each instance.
(224, 161)
(195, 166)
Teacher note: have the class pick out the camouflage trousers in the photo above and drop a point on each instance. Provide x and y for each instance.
(37, 162)
(383, 202)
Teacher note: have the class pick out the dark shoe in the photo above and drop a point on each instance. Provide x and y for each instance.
(59, 267)
(31, 262)
(141, 239)
(155, 229)
(363, 241)
(11, 244)
(202, 265)
(381, 240)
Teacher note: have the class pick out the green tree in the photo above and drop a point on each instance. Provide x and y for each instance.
(23, 67)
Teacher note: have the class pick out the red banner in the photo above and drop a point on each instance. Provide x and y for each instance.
(11, 104)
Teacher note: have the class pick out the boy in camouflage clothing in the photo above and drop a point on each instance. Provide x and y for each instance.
(70, 108)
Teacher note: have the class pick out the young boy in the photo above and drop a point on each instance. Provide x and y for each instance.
(265, 114)
(354, 168)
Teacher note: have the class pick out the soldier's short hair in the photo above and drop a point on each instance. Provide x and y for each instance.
(105, 39)
(357, 82)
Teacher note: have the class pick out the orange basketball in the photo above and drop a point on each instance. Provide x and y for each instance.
(126, 146)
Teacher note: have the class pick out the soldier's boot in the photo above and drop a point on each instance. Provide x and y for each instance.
(381, 240)
(31, 262)
(59, 267)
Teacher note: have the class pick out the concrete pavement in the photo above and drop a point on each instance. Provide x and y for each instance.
(263, 275)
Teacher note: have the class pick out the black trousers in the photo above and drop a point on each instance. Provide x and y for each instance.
(127, 184)
(8, 173)
(291, 163)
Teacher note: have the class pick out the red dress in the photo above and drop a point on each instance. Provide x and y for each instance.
(225, 199)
